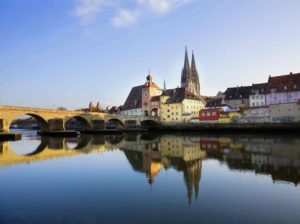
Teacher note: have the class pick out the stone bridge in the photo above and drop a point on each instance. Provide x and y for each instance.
(55, 120)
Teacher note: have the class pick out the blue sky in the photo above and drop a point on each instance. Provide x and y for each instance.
(69, 52)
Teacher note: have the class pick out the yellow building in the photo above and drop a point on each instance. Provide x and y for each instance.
(179, 106)
(229, 117)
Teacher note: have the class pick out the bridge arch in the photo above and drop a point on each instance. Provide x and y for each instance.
(41, 121)
(77, 123)
(38, 149)
(114, 123)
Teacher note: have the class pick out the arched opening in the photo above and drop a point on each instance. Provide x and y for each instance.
(29, 147)
(149, 124)
(28, 124)
(146, 113)
(78, 143)
(71, 143)
(114, 124)
(155, 112)
(77, 123)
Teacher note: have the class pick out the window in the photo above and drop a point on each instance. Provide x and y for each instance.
(214, 113)
(208, 114)
(203, 114)
(145, 94)
(253, 104)
(253, 97)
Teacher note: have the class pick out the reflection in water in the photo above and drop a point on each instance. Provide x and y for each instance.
(278, 157)
(89, 186)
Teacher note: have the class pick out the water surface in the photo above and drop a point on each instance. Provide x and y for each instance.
(147, 178)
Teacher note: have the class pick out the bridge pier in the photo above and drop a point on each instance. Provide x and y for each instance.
(4, 131)
(4, 125)
(56, 124)
(98, 124)
(56, 127)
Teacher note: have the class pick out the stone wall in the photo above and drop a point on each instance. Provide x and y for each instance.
(287, 112)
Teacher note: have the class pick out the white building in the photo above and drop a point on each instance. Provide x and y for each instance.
(257, 96)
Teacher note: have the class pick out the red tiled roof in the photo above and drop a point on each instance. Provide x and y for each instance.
(284, 83)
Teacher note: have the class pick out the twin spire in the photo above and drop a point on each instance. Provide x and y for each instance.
(189, 75)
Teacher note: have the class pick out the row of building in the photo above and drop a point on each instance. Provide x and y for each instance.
(278, 90)
(277, 100)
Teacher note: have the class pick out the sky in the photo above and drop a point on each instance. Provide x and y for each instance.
(69, 52)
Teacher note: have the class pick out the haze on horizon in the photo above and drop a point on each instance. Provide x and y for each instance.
(70, 52)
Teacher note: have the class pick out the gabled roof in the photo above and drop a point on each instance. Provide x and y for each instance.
(218, 102)
(260, 87)
(179, 94)
(284, 83)
(238, 92)
(167, 92)
(134, 99)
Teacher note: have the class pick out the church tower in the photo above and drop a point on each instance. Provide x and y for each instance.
(195, 77)
(186, 72)
(189, 75)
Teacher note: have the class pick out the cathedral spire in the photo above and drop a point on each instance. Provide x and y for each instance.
(165, 87)
(186, 60)
(195, 76)
(186, 71)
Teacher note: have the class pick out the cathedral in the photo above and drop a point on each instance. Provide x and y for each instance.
(189, 75)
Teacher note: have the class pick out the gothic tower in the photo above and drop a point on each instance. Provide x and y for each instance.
(186, 72)
(189, 75)
(195, 77)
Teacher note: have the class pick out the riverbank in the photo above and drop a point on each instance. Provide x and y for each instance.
(231, 127)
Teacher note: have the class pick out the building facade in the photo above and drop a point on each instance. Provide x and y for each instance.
(283, 89)
(238, 97)
(143, 100)
(179, 105)
(150, 100)
(257, 96)
(210, 115)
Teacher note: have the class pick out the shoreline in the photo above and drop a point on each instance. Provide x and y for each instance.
(231, 127)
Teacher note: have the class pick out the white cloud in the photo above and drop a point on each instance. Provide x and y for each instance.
(162, 6)
(87, 10)
(125, 18)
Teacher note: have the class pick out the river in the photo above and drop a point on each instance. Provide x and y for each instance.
(150, 178)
